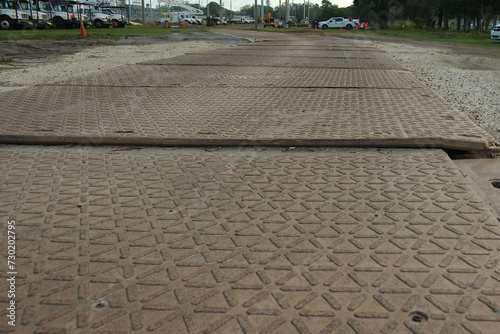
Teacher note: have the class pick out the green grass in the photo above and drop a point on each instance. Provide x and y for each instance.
(462, 38)
(7, 64)
(5, 61)
(92, 33)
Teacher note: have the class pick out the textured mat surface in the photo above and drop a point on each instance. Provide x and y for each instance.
(245, 240)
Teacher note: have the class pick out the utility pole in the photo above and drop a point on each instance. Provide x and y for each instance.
(143, 12)
(255, 14)
(220, 13)
(308, 13)
(262, 10)
(286, 12)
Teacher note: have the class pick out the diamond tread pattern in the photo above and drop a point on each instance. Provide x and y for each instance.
(214, 113)
(248, 241)
(283, 61)
(279, 98)
(233, 76)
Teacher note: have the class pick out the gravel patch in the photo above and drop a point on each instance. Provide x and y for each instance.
(96, 59)
(468, 81)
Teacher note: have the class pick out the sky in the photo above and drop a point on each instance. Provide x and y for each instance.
(237, 4)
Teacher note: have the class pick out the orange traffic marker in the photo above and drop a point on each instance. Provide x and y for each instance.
(82, 29)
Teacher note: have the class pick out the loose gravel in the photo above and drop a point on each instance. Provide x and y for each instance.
(94, 60)
(469, 82)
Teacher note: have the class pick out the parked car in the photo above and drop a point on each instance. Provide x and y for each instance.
(495, 32)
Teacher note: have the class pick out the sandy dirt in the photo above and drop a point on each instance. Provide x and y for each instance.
(465, 76)
(39, 62)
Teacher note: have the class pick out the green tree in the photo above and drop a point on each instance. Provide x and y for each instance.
(328, 10)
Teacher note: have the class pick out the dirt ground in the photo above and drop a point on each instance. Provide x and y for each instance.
(33, 52)
(465, 76)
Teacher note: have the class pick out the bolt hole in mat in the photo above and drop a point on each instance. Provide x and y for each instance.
(248, 240)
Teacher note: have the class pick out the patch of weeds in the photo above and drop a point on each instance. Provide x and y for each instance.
(6, 61)
(3, 68)
(7, 64)
(104, 36)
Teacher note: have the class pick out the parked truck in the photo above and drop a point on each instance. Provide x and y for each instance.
(118, 15)
(20, 14)
(59, 14)
(178, 12)
(36, 18)
(339, 23)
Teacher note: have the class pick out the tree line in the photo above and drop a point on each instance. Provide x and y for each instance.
(440, 14)
(458, 15)
(432, 14)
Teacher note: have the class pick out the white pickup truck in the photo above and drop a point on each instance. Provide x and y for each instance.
(339, 23)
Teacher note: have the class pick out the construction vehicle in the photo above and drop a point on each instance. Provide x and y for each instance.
(17, 14)
(97, 20)
(11, 15)
(86, 11)
(37, 19)
(269, 20)
(178, 11)
(215, 21)
(59, 14)
(118, 20)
